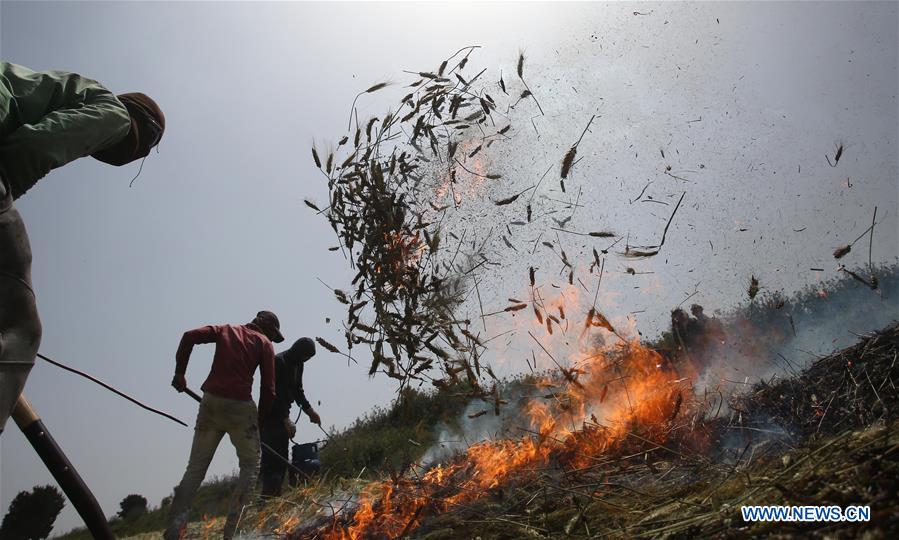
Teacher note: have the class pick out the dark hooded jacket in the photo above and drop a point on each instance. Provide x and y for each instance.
(289, 383)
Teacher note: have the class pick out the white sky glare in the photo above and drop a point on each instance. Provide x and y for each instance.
(214, 229)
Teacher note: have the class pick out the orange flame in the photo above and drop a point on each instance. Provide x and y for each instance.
(604, 394)
(208, 526)
(615, 390)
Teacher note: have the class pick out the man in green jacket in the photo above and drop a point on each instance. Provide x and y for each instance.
(48, 119)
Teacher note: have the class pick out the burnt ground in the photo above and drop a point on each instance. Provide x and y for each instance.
(826, 436)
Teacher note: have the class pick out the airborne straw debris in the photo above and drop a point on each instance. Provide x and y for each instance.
(568, 160)
(753, 287)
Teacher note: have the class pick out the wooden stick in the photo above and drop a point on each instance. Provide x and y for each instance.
(871, 241)
(80, 495)
(111, 389)
(665, 232)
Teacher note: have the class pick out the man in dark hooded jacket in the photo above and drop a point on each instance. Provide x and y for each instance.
(277, 429)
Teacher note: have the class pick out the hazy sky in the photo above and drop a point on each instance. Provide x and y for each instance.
(214, 228)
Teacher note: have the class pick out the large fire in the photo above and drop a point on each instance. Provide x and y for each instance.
(609, 393)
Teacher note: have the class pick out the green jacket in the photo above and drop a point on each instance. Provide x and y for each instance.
(48, 119)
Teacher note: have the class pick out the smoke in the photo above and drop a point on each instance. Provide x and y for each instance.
(833, 319)
(455, 439)
(479, 423)
(741, 445)
(780, 336)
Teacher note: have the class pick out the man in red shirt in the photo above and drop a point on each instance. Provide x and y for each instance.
(227, 407)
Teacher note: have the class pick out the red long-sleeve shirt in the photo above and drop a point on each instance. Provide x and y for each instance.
(238, 351)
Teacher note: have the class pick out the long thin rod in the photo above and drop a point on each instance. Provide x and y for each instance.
(111, 389)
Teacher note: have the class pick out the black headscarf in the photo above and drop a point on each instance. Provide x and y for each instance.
(147, 127)
(302, 350)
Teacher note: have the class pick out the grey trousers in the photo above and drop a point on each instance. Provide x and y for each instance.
(20, 326)
(217, 416)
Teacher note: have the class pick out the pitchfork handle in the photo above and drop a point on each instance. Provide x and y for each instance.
(62, 469)
(193, 394)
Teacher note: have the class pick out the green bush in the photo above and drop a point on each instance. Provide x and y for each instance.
(32, 514)
(132, 506)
